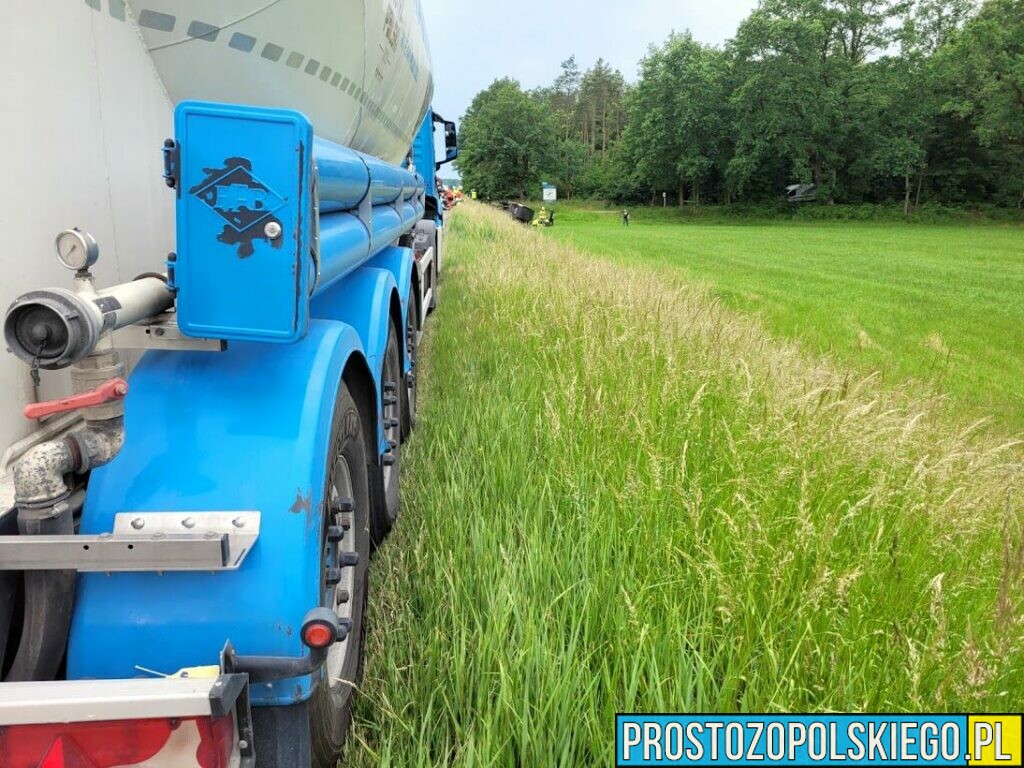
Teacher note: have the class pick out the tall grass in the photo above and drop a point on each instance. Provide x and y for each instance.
(939, 304)
(623, 497)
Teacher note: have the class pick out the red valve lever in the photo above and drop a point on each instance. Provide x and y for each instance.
(115, 389)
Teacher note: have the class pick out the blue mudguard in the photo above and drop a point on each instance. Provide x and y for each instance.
(363, 301)
(400, 263)
(246, 429)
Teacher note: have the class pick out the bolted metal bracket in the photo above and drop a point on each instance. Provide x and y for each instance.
(172, 164)
(162, 332)
(142, 542)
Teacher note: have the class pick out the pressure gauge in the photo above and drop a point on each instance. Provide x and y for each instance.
(76, 249)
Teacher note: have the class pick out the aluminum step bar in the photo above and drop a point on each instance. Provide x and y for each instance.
(76, 701)
(142, 542)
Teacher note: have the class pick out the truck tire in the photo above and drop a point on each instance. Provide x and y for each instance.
(385, 502)
(312, 733)
(409, 390)
(348, 507)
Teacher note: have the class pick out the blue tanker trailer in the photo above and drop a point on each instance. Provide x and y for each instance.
(184, 554)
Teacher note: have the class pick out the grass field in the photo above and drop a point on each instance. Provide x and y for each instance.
(624, 496)
(942, 304)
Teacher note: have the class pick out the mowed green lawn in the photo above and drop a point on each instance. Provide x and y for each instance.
(942, 304)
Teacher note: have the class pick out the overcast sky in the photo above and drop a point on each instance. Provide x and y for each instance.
(474, 42)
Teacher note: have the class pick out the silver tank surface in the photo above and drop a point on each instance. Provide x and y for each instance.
(359, 69)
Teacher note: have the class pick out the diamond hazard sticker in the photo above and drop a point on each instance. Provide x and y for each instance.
(245, 203)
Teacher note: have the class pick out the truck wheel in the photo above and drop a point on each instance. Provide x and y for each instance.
(384, 510)
(409, 391)
(312, 733)
(347, 515)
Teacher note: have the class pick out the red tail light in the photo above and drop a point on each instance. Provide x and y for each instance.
(201, 742)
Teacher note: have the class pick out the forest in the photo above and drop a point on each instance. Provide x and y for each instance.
(908, 102)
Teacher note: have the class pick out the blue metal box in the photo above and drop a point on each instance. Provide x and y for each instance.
(244, 222)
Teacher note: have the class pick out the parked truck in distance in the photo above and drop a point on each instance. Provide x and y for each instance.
(216, 380)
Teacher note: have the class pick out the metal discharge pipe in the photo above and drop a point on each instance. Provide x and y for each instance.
(56, 327)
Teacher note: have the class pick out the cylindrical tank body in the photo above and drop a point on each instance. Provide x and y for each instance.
(84, 117)
(359, 69)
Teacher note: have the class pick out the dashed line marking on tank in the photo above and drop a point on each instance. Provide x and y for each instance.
(239, 41)
(272, 52)
(162, 22)
(244, 43)
(200, 30)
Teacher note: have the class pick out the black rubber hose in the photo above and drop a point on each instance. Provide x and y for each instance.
(49, 596)
(157, 275)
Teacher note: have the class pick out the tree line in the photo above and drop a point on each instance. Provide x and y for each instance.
(870, 100)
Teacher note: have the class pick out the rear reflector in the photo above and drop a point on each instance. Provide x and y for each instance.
(198, 742)
(318, 635)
